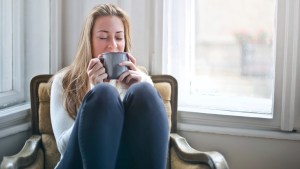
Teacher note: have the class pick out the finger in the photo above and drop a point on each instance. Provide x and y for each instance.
(98, 65)
(99, 56)
(95, 75)
(133, 77)
(102, 77)
(99, 78)
(129, 78)
(129, 75)
(131, 58)
(94, 70)
(123, 75)
(129, 64)
(106, 80)
(101, 71)
(92, 63)
(94, 79)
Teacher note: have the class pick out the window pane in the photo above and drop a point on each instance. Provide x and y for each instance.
(234, 57)
(5, 46)
(24, 43)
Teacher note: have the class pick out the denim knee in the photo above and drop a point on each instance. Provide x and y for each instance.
(102, 95)
(104, 91)
(102, 100)
(142, 96)
(142, 90)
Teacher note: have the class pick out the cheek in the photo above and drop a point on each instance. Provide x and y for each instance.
(121, 46)
(97, 48)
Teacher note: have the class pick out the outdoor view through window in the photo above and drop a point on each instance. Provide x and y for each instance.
(234, 56)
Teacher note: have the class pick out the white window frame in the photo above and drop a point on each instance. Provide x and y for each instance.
(27, 23)
(55, 35)
(286, 112)
(15, 51)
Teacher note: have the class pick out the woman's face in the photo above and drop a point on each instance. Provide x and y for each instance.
(108, 35)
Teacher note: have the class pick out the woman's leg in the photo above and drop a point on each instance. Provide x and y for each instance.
(146, 131)
(99, 126)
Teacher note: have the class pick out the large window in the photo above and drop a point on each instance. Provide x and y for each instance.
(11, 41)
(233, 59)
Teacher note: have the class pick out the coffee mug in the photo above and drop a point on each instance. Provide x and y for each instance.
(111, 61)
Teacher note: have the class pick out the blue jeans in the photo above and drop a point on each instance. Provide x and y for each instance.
(111, 134)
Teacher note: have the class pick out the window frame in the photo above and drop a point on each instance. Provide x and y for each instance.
(286, 95)
(16, 118)
(17, 94)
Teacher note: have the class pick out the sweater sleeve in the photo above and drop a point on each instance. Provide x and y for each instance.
(62, 123)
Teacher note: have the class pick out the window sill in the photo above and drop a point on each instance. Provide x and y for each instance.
(226, 113)
(15, 119)
(267, 134)
(218, 122)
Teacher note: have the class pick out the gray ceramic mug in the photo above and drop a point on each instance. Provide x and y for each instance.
(111, 61)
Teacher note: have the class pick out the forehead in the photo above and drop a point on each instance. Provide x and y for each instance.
(108, 24)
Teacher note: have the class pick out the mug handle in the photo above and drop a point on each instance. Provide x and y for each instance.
(102, 60)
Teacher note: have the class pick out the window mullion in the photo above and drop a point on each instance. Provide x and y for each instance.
(289, 65)
(1, 41)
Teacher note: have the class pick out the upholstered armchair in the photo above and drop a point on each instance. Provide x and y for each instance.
(40, 150)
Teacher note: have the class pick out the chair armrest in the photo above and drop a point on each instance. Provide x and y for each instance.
(213, 159)
(24, 157)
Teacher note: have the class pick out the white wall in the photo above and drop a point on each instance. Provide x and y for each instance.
(12, 144)
(73, 16)
(248, 152)
(37, 38)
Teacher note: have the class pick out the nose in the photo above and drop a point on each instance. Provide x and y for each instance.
(112, 45)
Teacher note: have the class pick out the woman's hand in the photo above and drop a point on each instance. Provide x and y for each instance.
(133, 74)
(96, 71)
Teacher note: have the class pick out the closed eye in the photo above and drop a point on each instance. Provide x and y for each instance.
(102, 38)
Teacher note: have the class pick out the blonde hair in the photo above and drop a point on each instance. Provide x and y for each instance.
(75, 81)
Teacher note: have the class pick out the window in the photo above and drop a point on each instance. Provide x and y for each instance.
(24, 53)
(235, 61)
(25, 41)
(11, 81)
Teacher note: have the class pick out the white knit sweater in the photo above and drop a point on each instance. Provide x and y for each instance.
(62, 123)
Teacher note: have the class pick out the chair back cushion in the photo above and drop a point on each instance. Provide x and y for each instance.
(44, 109)
(51, 153)
(164, 90)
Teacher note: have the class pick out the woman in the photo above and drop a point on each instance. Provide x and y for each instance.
(100, 123)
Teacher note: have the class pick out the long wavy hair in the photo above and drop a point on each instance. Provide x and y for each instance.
(75, 81)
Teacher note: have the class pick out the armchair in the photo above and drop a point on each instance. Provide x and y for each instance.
(40, 150)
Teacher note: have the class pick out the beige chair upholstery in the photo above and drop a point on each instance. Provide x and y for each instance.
(40, 150)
